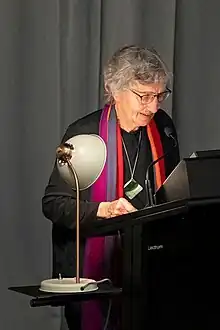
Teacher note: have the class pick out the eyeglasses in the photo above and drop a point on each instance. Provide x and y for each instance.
(149, 97)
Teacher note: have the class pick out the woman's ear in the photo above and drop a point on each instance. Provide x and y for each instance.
(118, 95)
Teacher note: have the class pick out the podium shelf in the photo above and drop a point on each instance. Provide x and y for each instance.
(41, 298)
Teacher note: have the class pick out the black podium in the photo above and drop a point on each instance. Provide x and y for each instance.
(171, 252)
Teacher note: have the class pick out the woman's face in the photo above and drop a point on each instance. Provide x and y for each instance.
(133, 106)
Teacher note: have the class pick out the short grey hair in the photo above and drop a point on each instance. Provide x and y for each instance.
(131, 64)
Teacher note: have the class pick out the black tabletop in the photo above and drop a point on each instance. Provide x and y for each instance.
(41, 298)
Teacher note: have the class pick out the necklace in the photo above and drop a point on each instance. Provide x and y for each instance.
(132, 187)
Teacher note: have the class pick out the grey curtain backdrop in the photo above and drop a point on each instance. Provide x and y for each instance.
(51, 59)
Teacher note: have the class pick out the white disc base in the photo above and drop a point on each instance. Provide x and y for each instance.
(68, 285)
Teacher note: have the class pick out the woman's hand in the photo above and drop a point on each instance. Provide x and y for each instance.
(115, 208)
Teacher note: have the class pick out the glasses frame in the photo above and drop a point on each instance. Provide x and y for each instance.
(157, 95)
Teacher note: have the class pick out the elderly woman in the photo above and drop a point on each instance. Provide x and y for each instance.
(134, 128)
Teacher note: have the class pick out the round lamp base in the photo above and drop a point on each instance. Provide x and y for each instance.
(68, 285)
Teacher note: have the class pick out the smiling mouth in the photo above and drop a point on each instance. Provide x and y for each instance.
(146, 114)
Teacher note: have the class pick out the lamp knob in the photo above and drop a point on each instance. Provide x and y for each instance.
(64, 152)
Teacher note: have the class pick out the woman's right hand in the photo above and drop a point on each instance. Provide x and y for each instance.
(115, 208)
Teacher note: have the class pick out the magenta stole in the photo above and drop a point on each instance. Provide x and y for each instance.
(108, 187)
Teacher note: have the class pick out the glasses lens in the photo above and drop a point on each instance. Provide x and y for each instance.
(147, 98)
(163, 96)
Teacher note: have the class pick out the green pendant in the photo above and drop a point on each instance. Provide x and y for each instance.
(132, 188)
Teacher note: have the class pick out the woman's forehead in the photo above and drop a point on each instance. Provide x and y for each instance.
(144, 88)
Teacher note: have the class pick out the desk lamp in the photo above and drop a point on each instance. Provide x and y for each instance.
(80, 161)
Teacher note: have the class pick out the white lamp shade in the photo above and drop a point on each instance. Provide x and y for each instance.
(88, 158)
